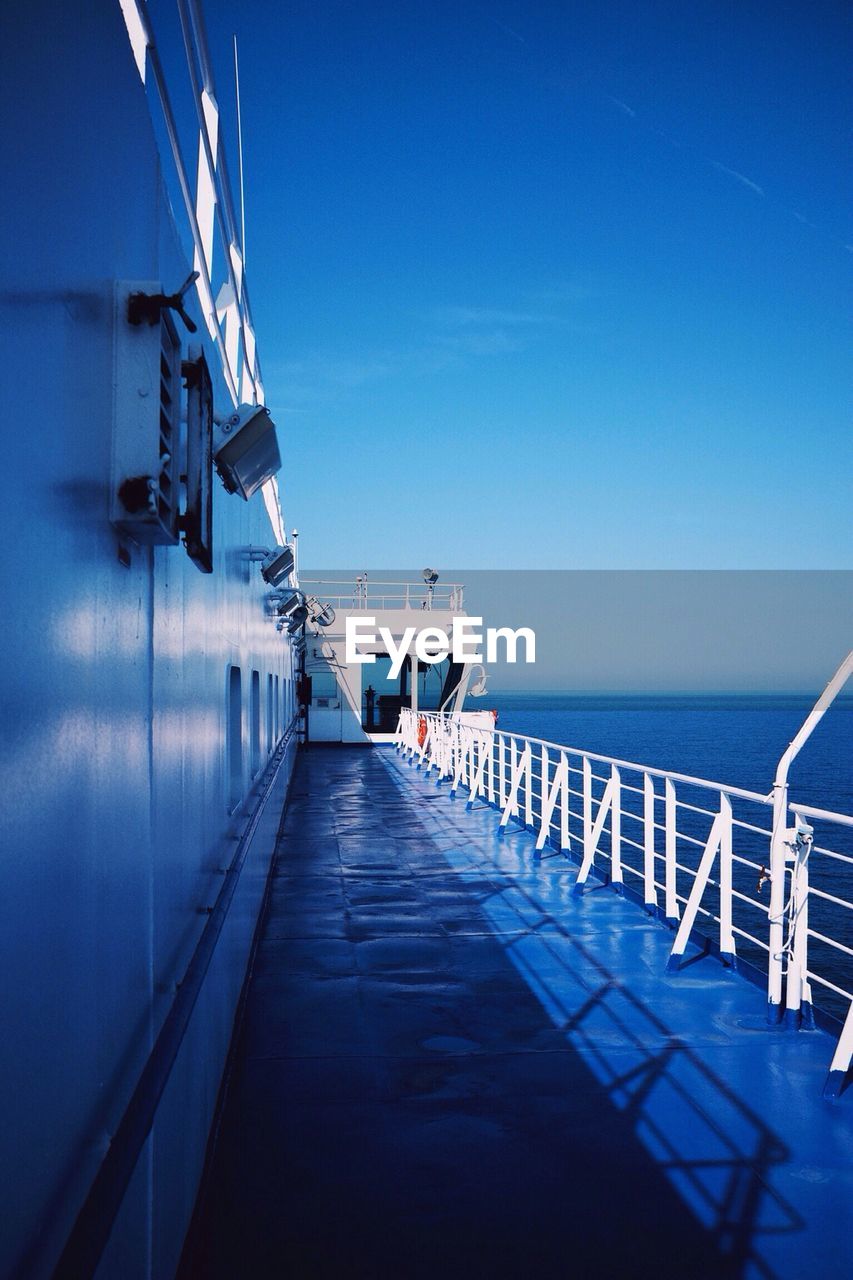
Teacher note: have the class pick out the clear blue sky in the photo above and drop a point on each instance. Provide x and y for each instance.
(552, 284)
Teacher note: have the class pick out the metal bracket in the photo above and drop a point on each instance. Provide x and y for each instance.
(145, 308)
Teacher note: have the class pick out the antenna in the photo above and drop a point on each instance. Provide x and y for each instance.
(240, 156)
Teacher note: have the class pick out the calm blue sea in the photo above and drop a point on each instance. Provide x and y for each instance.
(736, 739)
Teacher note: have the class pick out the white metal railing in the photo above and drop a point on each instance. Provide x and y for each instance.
(362, 594)
(698, 853)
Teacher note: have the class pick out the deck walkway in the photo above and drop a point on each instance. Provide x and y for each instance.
(451, 1066)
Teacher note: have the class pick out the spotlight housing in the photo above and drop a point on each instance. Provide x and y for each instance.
(320, 612)
(289, 603)
(430, 577)
(245, 449)
(277, 565)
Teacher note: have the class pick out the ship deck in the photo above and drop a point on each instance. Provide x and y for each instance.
(450, 1065)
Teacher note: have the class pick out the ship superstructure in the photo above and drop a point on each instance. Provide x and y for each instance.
(361, 701)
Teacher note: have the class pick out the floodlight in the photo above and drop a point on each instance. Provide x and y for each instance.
(321, 613)
(430, 577)
(289, 602)
(296, 619)
(245, 449)
(277, 565)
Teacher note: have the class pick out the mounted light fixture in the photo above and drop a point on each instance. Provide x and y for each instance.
(430, 577)
(245, 449)
(296, 619)
(278, 565)
(320, 612)
(289, 602)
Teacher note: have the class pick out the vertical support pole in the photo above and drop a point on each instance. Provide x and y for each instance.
(502, 769)
(565, 841)
(616, 829)
(544, 765)
(776, 909)
(798, 999)
(490, 787)
(513, 764)
(727, 937)
(528, 787)
(587, 804)
(650, 896)
(671, 831)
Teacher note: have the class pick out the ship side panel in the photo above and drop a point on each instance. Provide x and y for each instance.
(119, 809)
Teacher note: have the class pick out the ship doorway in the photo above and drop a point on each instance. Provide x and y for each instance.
(382, 696)
(325, 723)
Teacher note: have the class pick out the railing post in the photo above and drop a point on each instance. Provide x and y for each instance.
(502, 748)
(514, 763)
(798, 1000)
(671, 900)
(650, 896)
(616, 829)
(727, 938)
(776, 909)
(587, 804)
(565, 839)
(779, 837)
(544, 765)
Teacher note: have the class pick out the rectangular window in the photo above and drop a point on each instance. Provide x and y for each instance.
(270, 738)
(255, 712)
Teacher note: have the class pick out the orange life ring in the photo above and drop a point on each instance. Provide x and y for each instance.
(421, 730)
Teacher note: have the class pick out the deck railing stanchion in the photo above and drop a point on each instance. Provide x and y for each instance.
(616, 828)
(670, 849)
(544, 766)
(798, 999)
(727, 938)
(650, 896)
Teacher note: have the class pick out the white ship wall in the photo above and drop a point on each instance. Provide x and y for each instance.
(115, 818)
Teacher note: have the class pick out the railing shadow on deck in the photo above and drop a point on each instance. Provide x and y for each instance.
(715, 1151)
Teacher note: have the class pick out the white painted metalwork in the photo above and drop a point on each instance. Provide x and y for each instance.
(361, 594)
(226, 308)
(782, 835)
(703, 849)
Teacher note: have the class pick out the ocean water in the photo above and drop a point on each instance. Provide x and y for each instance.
(734, 739)
(730, 739)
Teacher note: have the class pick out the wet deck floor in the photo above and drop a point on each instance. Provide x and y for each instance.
(451, 1066)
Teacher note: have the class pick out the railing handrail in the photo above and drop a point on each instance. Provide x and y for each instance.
(415, 596)
(531, 781)
(376, 583)
(653, 770)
